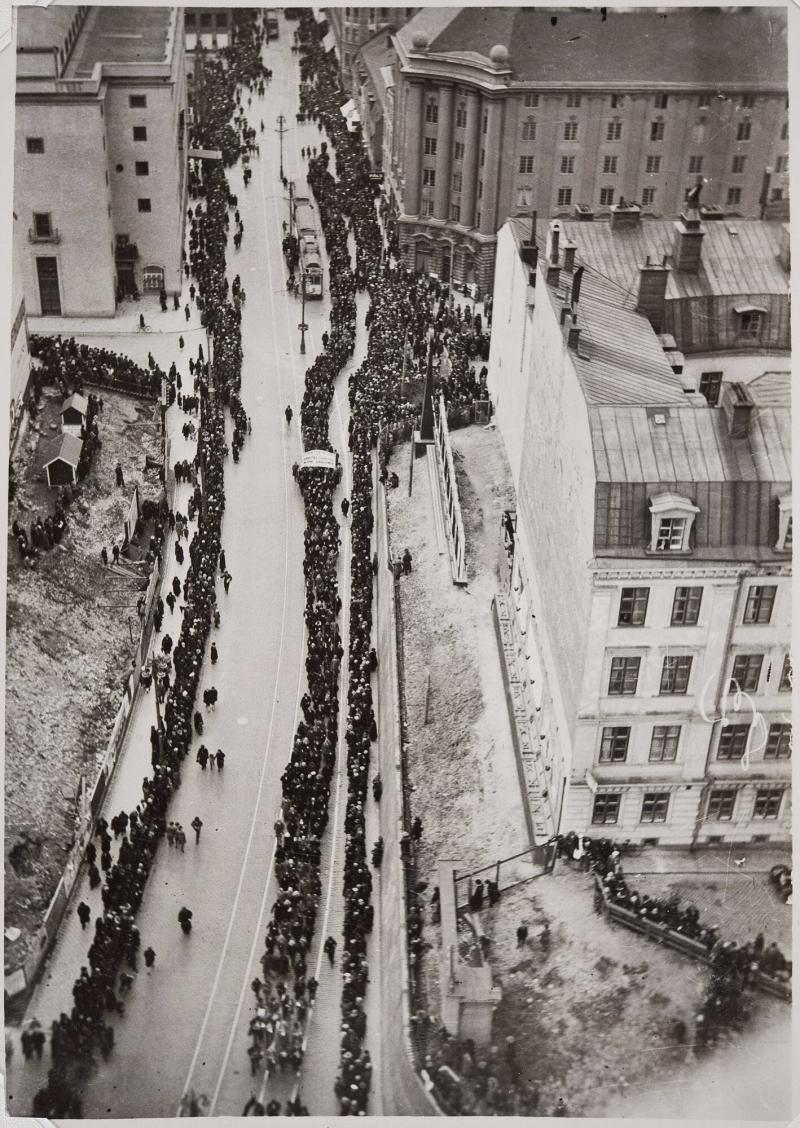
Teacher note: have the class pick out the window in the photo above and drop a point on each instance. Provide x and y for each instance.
(734, 196)
(605, 809)
(531, 100)
(648, 196)
(750, 324)
(34, 144)
(142, 168)
(653, 164)
(614, 131)
(526, 164)
(606, 197)
(785, 131)
(686, 606)
(457, 181)
(710, 385)
(695, 164)
(205, 20)
(748, 101)
(746, 673)
(564, 197)
(429, 177)
(782, 163)
(738, 164)
(461, 115)
(573, 100)
(571, 131)
(675, 673)
(523, 199)
(616, 100)
(144, 205)
(699, 130)
(137, 101)
(427, 208)
(458, 152)
(432, 113)
(567, 164)
(779, 742)
(656, 131)
(42, 225)
(624, 677)
(671, 533)
(776, 194)
(661, 101)
(760, 601)
(721, 803)
(655, 805)
(485, 125)
(529, 129)
(768, 803)
(784, 541)
(483, 158)
(732, 742)
(664, 743)
(614, 745)
(222, 19)
(785, 684)
(633, 607)
(743, 130)
(703, 101)
(140, 133)
(190, 19)
(610, 164)
(455, 213)
(430, 146)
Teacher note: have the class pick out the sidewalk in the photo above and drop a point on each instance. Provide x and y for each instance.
(126, 320)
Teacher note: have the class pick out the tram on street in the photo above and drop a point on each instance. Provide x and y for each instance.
(271, 22)
(305, 229)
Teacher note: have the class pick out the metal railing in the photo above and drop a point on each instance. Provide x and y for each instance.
(51, 236)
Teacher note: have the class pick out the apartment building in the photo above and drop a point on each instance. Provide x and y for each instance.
(100, 117)
(20, 364)
(651, 573)
(372, 82)
(352, 27)
(501, 111)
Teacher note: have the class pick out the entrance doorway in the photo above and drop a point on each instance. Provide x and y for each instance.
(126, 280)
(446, 264)
(424, 260)
(49, 295)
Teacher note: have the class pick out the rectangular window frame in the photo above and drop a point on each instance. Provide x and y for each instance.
(721, 804)
(746, 673)
(43, 225)
(614, 744)
(779, 742)
(632, 611)
(732, 742)
(139, 133)
(686, 603)
(664, 744)
(760, 604)
(137, 101)
(710, 387)
(142, 168)
(610, 164)
(676, 673)
(655, 807)
(34, 145)
(144, 205)
(526, 164)
(768, 803)
(605, 808)
(564, 197)
(623, 675)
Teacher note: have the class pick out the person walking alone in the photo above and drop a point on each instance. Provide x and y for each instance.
(197, 826)
(288, 413)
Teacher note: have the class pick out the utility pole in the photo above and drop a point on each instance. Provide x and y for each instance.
(280, 131)
(303, 325)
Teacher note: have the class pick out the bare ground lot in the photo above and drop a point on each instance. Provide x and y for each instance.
(68, 652)
(593, 1017)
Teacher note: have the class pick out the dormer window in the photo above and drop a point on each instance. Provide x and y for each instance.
(671, 521)
(784, 542)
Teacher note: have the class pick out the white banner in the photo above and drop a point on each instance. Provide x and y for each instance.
(133, 516)
(325, 458)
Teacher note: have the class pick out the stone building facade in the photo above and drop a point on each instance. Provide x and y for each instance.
(100, 117)
(502, 111)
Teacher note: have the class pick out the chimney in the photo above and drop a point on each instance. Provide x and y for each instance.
(553, 275)
(569, 255)
(529, 251)
(688, 241)
(737, 407)
(653, 281)
(625, 215)
(553, 239)
(573, 335)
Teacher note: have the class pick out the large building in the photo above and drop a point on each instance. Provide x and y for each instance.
(100, 117)
(651, 576)
(500, 111)
(352, 27)
(20, 365)
(372, 83)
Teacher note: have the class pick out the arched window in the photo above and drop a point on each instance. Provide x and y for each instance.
(672, 518)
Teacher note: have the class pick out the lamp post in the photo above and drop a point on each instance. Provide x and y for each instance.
(303, 325)
(280, 131)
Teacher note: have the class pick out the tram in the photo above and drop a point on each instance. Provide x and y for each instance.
(271, 22)
(305, 229)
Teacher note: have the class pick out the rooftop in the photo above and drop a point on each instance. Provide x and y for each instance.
(120, 35)
(740, 256)
(65, 446)
(702, 48)
(76, 400)
(377, 54)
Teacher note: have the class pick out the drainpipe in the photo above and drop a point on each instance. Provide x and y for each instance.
(707, 778)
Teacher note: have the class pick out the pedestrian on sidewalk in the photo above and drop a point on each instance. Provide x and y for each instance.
(104, 555)
(416, 829)
(377, 788)
(149, 957)
(187, 311)
(223, 564)
(180, 342)
(120, 475)
(84, 914)
(522, 935)
(377, 853)
(214, 654)
(170, 602)
(407, 562)
(226, 580)
(329, 948)
(197, 826)
(220, 759)
(180, 839)
(345, 507)
(288, 413)
(202, 757)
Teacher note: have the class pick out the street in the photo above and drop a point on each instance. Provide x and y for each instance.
(186, 1020)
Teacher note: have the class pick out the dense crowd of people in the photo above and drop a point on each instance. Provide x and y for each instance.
(70, 366)
(76, 1037)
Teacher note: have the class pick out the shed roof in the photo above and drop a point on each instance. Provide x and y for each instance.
(65, 447)
(76, 400)
(691, 445)
(726, 48)
(738, 257)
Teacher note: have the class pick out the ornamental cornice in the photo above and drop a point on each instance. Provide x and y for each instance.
(689, 573)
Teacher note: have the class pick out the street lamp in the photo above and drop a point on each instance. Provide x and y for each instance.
(303, 325)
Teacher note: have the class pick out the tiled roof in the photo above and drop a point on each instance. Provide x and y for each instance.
(725, 48)
(65, 446)
(76, 400)
(691, 445)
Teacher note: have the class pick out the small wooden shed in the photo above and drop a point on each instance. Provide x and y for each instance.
(61, 460)
(74, 411)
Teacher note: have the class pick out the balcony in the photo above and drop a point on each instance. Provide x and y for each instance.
(126, 252)
(51, 236)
